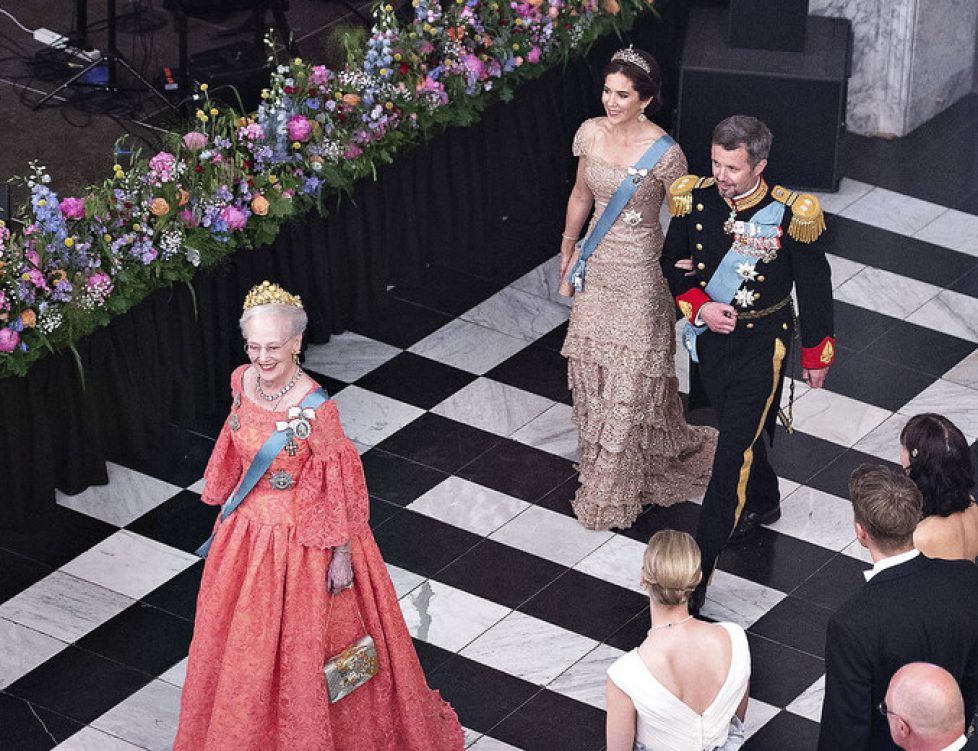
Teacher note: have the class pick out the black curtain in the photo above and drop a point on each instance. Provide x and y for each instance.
(487, 200)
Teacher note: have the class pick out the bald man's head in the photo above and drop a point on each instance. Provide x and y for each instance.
(927, 699)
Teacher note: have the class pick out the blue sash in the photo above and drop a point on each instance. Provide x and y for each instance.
(262, 461)
(725, 282)
(615, 206)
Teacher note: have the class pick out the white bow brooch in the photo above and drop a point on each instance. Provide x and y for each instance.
(298, 421)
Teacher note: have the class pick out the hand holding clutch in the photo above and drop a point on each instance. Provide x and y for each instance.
(568, 259)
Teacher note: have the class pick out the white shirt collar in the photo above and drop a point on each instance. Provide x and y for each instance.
(890, 562)
(958, 744)
(744, 195)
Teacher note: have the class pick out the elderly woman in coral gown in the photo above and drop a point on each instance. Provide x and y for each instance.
(294, 576)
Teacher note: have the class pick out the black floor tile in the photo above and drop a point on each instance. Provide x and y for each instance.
(681, 516)
(795, 623)
(550, 721)
(800, 456)
(18, 573)
(834, 478)
(773, 559)
(208, 423)
(555, 339)
(856, 328)
(422, 544)
(396, 479)
(401, 323)
(179, 458)
(333, 386)
(967, 284)
(633, 632)
(430, 656)
(780, 674)
(482, 696)
(183, 521)
(877, 382)
(920, 348)
(78, 684)
(179, 594)
(785, 732)
(24, 727)
(447, 290)
(438, 442)
(559, 499)
(518, 470)
(834, 583)
(381, 512)
(141, 637)
(416, 380)
(505, 575)
(586, 605)
(536, 369)
(56, 537)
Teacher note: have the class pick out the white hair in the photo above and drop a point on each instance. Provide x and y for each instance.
(296, 316)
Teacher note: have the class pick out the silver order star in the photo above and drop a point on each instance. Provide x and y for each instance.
(746, 272)
(744, 298)
(632, 217)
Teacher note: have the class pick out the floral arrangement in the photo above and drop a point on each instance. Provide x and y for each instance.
(232, 180)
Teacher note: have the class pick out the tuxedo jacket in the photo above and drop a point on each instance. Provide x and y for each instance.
(923, 610)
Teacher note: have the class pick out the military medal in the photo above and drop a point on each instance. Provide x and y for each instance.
(281, 480)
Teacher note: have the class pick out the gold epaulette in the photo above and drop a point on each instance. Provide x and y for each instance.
(807, 219)
(681, 193)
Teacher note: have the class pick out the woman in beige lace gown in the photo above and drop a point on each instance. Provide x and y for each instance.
(634, 444)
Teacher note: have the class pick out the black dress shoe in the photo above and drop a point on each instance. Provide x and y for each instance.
(751, 520)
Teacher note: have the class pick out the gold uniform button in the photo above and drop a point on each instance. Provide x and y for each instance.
(702, 284)
(784, 326)
(750, 325)
(699, 207)
(699, 246)
(699, 227)
(757, 295)
(760, 278)
(701, 266)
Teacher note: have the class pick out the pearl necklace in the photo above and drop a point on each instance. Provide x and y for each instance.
(282, 391)
(670, 625)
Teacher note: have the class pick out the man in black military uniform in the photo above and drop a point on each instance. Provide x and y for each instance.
(734, 250)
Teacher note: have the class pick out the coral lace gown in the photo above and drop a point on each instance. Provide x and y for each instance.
(634, 444)
(255, 674)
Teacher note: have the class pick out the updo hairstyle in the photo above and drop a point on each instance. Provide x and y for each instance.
(646, 85)
(940, 463)
(296, 316)
(671, 568)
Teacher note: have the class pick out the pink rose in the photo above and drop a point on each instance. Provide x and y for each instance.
(187, 217)
(234, 217)
(319, 75)
(195, 140)
(533, 56)
(73, 208)
(475, 65)
(9, 339)
(299, 128)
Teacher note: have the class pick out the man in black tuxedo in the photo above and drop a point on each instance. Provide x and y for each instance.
(924, 709)
(912, 609)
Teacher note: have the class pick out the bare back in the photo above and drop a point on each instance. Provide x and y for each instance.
(692, 662)
(951, 537)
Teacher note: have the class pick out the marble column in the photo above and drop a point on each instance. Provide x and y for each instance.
(911, 60)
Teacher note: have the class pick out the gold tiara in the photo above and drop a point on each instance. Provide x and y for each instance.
(628, 55)
(267, 293)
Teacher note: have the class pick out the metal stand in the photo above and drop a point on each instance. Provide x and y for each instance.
(111, 59)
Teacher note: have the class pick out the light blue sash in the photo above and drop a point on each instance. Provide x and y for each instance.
(615, 206)
(725, 282)
(262, 461)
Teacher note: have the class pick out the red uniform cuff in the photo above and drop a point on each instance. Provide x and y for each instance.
(820, 356)
(690, 302)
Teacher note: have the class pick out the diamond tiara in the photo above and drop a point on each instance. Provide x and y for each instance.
(267, 293)
(628, 55)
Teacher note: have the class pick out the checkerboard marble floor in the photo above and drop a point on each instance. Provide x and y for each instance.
(456, 397)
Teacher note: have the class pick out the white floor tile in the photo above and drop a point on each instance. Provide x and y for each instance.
(90, 739)
(467, 346)
(176, 675)
(368, 418)
(129, 564)
(585, 679)
(468, 505)
(809, 704)
(517, 313)
(348, 356)
(404, 581)
(891, 211)
(618, 561)
(957, 403)
(64, 606)
(550, 535)
(953, 229)
(493, 406)
(448, 617)
(543, 282)
(849, 192)
(885, 292)
(553, 432)
(147, 719)
(758, 715)
(129, 495)
(836, 418)
(857, 551)
(951, 313)
(23, 650)
(884, 440)
(965, 373)
(740, 601)
(842, 269)
(529, 648)
(487, 743)
(817, 517)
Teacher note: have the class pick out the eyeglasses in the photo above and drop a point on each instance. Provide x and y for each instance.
(255, 350)
(884, 710)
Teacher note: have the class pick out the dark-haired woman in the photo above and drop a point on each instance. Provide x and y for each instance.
(935, 455)
(634, 445)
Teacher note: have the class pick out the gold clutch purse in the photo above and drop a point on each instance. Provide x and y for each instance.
(352, 667)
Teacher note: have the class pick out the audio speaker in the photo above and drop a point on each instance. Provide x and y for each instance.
(768, 24)
(233, 71)
(800, 96)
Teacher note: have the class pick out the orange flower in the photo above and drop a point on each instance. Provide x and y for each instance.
(182, 197)
(611, 6)
(159, 207)
(535, 3)
(259, 205)
(351, 99)
(28, 318)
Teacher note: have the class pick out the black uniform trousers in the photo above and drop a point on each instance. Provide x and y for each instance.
(741, 375)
